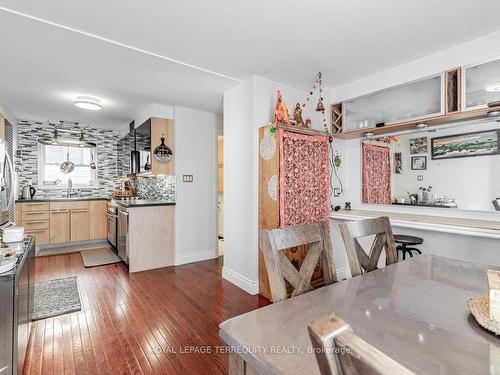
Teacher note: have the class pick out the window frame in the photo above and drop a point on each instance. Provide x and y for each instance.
(41, 173)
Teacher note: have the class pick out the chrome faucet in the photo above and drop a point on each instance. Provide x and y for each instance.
(70, 187)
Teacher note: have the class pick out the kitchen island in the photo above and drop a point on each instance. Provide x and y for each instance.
(16, 308)
(146, 233)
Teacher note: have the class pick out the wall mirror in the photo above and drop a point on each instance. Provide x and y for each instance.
(453, 167)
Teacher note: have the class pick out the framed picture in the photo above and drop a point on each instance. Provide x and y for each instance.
(398, 163)
(465, 145)
(419, 163)
(418, 146)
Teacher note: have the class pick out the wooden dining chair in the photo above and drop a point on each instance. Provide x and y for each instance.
(279, 268)
(359, 261)
(340, 352)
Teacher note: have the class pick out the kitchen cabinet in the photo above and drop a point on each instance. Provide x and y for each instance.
(34, 217)
(80, 224)
(415, 100)
(481, 85)
(59, 226)
(98, 222)
(69, 222)
(148, 137)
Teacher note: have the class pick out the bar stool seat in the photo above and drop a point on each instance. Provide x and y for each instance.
(403, 242)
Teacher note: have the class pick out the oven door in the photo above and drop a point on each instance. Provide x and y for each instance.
(112, 224)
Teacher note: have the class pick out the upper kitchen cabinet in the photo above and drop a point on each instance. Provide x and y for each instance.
(412, 101)
(149, 136)
(481, 85)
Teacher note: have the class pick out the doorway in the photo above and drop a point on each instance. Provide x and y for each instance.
(220, 193)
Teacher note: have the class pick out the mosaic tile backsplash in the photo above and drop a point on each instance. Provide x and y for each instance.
(106, 140)
(159, 187)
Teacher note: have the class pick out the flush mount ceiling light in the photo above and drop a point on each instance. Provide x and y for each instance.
(494, 87)
(88, 102)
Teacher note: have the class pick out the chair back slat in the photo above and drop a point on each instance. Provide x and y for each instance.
(288, 237)
(340, 352)
(359, 260)
(279, 268)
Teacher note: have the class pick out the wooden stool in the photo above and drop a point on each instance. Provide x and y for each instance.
(403, 241)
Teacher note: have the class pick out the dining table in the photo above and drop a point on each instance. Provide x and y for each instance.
(414, 311)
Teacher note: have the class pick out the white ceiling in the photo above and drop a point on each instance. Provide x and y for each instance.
(43, 65)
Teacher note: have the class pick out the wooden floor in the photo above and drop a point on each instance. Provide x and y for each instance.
(139, 323)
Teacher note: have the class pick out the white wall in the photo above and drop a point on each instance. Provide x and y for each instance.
(247, 108)
(196, 207)
(464, 54)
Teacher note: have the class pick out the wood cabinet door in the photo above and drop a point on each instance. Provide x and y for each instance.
(59, 226)
(80, 224)
(98, 220)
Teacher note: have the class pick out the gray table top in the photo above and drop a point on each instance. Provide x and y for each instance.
(415, 311)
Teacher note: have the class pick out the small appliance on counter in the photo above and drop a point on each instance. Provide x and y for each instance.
(28, 192)
(13, 234)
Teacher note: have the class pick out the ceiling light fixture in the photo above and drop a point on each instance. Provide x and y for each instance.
(422, 125)
(88, 102)
(494, 87)
(494, 113)
(369, 134)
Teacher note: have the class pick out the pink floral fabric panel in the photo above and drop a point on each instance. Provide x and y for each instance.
(377, 174)
(304, 178)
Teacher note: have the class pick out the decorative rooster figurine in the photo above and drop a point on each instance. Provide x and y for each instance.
(281, 111)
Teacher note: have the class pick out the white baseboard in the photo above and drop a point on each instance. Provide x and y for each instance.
(342, 274)
(252, 287)
(195, 257)
(249, 286)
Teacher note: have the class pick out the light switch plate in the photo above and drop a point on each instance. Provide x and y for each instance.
(187, 178)
(336, 192)
(420, 177)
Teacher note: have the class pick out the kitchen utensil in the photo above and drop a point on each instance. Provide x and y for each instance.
(67, 166)
(92, 161)
(147, 166)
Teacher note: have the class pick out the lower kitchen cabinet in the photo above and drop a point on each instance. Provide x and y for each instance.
(59, 222)
(98, 220)
(80, 224)
(59, 226)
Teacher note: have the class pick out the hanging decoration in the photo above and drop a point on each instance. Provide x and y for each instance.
(163, 153)
(320, 107)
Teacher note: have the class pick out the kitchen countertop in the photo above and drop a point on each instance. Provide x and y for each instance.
(144, 203)
(21, 248)
(76, 199)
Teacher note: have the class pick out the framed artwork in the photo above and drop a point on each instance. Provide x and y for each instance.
(398, 163)
(418, 146)
(419, 163)
(465, 145)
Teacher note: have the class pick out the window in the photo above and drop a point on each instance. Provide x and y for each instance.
(49, 167)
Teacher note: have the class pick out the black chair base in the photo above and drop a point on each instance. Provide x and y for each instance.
(404, 242)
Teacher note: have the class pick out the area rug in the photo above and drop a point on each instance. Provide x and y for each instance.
(56, 297)
(99, 257)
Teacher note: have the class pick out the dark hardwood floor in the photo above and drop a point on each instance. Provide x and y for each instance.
(145, 322)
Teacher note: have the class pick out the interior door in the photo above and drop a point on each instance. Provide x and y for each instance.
(59, 226)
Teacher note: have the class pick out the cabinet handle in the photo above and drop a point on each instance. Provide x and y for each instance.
(35, 204)
(34, 213)
(37, 222)
(36, 231)
(80, 210)
(59, 212)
